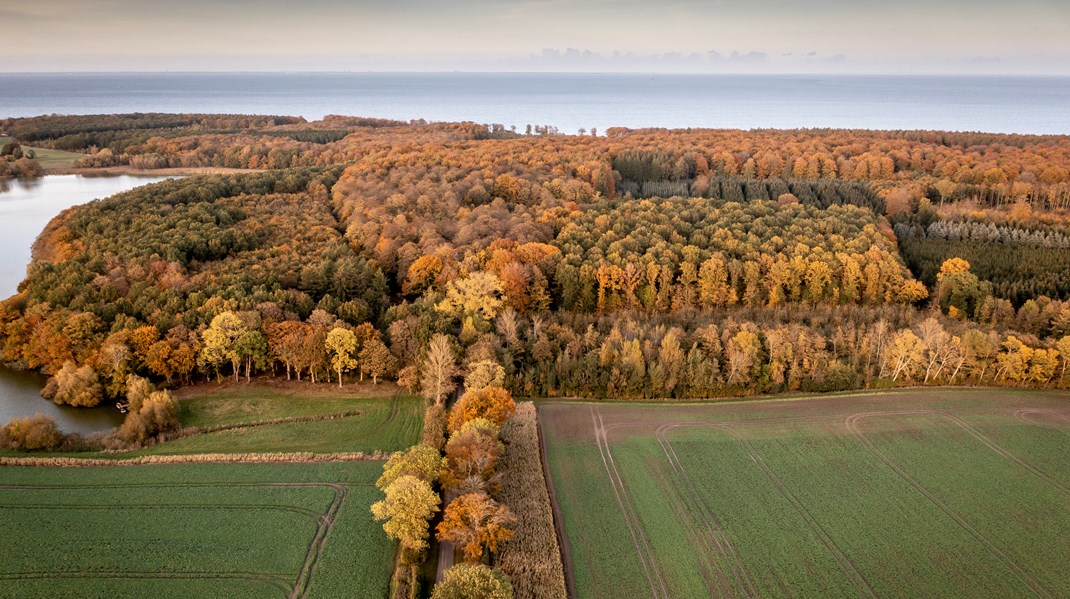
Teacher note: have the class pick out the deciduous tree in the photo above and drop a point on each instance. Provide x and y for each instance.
(475, 522)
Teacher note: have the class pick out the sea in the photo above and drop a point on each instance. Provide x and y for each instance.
(571, 102)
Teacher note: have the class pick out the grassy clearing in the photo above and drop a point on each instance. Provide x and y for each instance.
(367, 423)
(192, 530)
(252, 403)
(50, 159)
(952, 493)
(369, 419)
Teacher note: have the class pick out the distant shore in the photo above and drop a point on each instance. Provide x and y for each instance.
(151, 172)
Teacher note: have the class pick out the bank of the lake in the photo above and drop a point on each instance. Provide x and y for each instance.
(26, 206)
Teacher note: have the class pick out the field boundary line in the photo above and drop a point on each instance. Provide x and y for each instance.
(639, 541)
(713, 524)
(563, 545)
(851, 422)
(847, 565)
(298, 457)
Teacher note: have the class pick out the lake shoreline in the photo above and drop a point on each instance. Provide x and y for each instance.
(26, 208)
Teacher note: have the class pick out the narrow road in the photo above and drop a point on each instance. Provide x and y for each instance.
(446, 556)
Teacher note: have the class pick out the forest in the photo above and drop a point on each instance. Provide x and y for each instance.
(634, 264)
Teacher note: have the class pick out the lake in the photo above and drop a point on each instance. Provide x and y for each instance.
(25, 209)
(571, 101)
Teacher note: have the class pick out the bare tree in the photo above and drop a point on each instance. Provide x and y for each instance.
(439, 368)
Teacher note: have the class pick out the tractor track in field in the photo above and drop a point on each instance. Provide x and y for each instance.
(847, 565)
(325, 522)
(851, 422)
(1023, 415)
(276, 580)
(165, 506)
(973, 432)
(635, 528)
(715, 530)
(319, 541)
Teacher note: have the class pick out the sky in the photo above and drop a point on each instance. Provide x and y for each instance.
(738, 36)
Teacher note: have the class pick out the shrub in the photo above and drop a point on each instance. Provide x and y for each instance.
(472, 581)
(36, 432)
(74, 386)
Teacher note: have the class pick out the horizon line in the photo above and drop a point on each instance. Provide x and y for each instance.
(548, 72)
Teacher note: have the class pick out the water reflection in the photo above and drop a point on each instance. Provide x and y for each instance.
(20, 397)
(26, 206)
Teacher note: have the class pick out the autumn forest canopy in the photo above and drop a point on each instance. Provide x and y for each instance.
(632, 264)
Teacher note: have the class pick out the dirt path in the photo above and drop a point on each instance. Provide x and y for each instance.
(851, 422)
(447, 556)
(635, 529)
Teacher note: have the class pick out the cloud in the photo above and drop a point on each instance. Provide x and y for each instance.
(768, 35)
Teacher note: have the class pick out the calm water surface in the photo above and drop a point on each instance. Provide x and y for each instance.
(25, 209)
(571, 101)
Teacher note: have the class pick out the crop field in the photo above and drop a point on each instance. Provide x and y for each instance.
(937, 493)
(204, 530)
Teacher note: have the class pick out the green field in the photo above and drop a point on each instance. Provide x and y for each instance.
(203, 530)
(50, 159)
(368, 419)
(949, 493)
(385, 423)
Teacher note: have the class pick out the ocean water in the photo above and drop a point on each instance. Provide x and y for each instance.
(1038, 105)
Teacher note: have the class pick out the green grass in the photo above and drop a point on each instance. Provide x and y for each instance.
(50, 159)
(216, 530)
(385, 423)
(369, 421)
(782, 498)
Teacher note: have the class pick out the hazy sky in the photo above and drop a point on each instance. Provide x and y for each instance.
(891, 36)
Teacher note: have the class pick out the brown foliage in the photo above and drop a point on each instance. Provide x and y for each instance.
(31, 433)
(492, 403)
(475, 522)
(472, 454)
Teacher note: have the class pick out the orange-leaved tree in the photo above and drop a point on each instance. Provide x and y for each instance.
(472, 454)
(493, 403)
(475, 522)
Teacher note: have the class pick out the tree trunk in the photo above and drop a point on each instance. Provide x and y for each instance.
(339, 378)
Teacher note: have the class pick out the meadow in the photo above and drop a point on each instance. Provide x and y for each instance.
(279, 418)
(249, 530)
(50, 159)
(263, 418)
(951, 493)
